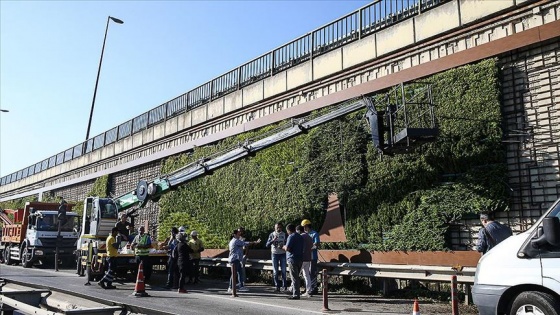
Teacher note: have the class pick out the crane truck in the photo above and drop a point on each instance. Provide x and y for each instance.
(30, 234)
(407, 119)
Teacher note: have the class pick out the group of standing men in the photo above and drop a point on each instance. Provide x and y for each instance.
(183, 259)
(183, 254)
(297, 250)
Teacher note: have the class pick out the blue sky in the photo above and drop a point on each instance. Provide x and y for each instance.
(50, 55)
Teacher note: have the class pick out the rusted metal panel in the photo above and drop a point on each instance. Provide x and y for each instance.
(333, 230)
(436, 258)
(457, 259)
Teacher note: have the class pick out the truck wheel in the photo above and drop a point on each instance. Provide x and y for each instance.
(7, 258)
(79, 267)
(25, 261)
(534, 302)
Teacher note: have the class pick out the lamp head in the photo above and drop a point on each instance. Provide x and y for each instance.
(118, 21)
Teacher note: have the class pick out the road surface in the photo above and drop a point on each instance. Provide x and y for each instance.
(211, 297)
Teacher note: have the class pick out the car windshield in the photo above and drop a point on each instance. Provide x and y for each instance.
(49, 222)
(556, 211)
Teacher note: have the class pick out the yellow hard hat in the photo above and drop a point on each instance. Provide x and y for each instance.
(305, 222)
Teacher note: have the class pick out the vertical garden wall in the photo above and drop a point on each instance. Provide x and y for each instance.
(400, 202)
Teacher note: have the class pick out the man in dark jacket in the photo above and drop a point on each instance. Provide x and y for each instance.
(294, 256)
(182, 251)
(491, 234)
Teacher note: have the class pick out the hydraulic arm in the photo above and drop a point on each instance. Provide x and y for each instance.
(389, 131)
(155, 189)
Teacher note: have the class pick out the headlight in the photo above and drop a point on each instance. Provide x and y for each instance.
(38, 252)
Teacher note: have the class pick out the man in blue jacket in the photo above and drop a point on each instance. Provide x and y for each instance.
(491, 233)
(294, 256)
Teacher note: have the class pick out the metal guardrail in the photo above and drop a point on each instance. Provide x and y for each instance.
(30, 301)
(352, 27)
(410, 272)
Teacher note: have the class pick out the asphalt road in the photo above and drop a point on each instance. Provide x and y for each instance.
(210, 297)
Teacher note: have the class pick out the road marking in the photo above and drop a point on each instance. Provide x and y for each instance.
(229, 298)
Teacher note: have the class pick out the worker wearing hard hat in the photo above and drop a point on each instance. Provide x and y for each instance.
(196, 245)
(314, 254)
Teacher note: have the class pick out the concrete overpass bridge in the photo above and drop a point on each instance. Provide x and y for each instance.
(368, 50)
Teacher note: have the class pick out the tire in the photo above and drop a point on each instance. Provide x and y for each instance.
(25, 262)
(534, 302)
(7, 258)
(79, 268)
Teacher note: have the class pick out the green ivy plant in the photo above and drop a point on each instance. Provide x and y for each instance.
(400, 202)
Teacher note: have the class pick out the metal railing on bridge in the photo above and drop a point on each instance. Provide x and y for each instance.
(352, 27)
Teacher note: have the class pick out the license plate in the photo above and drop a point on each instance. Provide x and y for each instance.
(132, 261)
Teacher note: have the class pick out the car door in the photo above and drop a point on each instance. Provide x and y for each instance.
(550, 262)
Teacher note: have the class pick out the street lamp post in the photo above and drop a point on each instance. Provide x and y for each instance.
(109, 18)
(2, 111)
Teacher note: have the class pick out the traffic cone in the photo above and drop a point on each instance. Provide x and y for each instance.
(416, 308)
(139, 289)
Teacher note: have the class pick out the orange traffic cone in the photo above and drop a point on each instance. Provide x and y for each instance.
(139, 289)
(416, 308)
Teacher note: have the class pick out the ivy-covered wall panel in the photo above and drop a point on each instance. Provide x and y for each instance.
(405, 202)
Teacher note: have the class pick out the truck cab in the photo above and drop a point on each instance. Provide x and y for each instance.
(521, 275)
(98, 218)
(32, 237)
(41, 236)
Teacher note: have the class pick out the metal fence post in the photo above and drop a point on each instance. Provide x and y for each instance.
(233, 281)
(325, 291)
(454, 297)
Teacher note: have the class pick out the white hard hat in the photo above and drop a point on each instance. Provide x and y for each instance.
(194, 233)
(182, 229)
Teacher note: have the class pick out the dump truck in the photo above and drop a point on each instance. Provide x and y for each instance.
(31, 235)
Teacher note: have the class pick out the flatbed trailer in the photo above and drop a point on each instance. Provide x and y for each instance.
(126, 265)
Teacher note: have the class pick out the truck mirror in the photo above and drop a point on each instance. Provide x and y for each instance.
(550, 233)
(551, 228)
